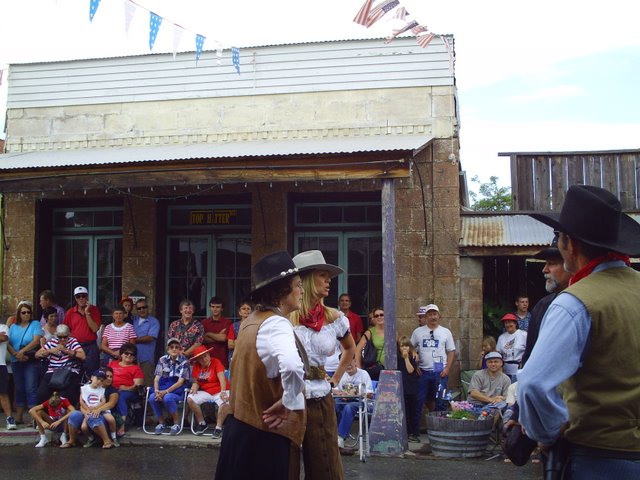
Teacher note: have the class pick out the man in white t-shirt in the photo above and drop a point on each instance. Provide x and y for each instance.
(436, 350)
(4, 378)
(346, 409)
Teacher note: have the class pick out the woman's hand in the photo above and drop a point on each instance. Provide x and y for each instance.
(276, 415)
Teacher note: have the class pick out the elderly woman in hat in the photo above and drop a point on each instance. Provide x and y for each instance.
(318, 326)
(264, 430)
(511, 345)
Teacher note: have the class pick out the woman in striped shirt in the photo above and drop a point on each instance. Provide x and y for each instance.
(62, 350)
(115, 335)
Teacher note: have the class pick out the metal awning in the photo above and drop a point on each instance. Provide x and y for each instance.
(327, 158)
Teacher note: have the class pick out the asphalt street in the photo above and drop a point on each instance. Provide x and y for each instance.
(25, 462)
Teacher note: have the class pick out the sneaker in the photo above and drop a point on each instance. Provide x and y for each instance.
(11, 423)
(217, 433)
(201, 428)
(159, 429)
(43, 441)
(175, 430)
(63, 438)
(89, 442)
(340, 442)
(414, 438)
(115, 442)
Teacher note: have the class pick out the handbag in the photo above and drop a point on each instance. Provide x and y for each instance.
(61, 378)
(31, 354)
(369, 354)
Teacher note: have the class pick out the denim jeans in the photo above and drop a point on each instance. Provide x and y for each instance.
(594, 468)
(76, 418)
(125, 398)
(170, 401)
(346, 412)
(26, 376)
(427, 390)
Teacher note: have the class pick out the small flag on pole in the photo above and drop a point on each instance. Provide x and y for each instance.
(361, 17)
(380, 11)
(235, 58)
(154, 25)
(199, 44)
(93, 8)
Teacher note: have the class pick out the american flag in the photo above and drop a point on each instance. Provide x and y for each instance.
(419, 29)
(425, 40)
(361, 17)
(397, 31)
(380, 11)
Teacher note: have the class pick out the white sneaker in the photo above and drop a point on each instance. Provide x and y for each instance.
(340, 442)
(63, 438)
(43, 441)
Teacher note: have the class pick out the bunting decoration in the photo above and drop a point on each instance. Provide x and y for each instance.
(154, 26)
(129, 12)
(363, 14)
(93, 8)
(199, 44)
(177, 38)
(425, 40)
(380, 11)
(235, 58)
(452, 55)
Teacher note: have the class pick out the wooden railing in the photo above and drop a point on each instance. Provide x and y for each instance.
(539, 181)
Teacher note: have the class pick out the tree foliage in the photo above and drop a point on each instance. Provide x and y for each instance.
(490, 197)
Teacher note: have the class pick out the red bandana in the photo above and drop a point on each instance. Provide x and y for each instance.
(315, 318)
(588, 268)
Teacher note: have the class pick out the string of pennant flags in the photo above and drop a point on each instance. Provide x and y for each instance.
(369, 14)
(157, 21)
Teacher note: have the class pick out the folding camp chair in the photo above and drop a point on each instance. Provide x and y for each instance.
(182, 404)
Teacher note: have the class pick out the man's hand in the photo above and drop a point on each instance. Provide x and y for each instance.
(276, 415)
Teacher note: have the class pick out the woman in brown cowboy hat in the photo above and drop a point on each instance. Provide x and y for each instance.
(266, 424)
(318, 327)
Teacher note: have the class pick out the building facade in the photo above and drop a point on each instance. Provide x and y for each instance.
(150, 173)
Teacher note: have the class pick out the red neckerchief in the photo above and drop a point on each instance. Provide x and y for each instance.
(588, 268)
(315, 318)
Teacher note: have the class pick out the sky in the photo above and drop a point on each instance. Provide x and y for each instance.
(549, 75)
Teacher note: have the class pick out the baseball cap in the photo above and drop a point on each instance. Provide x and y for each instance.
(509, 317)
(79, 290)
(172, 340)
(491, 355)
(99, 374)
(426, 308)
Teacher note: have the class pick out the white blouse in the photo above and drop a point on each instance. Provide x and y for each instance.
(320, 346)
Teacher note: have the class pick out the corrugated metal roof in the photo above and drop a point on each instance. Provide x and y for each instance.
(280, 147)
(504, 231)
(508, 231)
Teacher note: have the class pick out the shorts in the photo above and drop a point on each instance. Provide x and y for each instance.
(4, 379)
(201, 397)
(59, 428)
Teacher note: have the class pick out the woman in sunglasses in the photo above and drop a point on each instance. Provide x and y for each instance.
(127, 378)
(61, 351)
(375, 335)
(24, 341)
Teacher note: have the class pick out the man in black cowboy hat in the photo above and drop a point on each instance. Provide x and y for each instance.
(590, 342)
(556, 280)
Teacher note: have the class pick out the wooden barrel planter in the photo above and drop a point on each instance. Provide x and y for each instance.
(455, 438)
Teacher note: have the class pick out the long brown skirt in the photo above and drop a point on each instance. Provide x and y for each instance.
(320, 450)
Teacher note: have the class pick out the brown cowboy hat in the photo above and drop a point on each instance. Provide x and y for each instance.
(594, 216)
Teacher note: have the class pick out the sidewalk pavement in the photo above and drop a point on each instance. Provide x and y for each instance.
(26, 435)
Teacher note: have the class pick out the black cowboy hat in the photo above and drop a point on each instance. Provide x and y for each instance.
(271, 268)
(594, 216)
(551, 251)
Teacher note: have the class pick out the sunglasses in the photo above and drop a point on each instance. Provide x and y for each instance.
(63, 337)
(82, 295)
(431, 333)
(129, 354)
(25, 312)
(378, 315)
(141, 308)
(177, 347)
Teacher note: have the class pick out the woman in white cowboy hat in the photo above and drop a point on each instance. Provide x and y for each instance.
(266, 423)
(318, 326)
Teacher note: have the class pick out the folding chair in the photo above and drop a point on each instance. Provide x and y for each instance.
(365, 408)
(181, 404)
(465, 380)
(204, 406)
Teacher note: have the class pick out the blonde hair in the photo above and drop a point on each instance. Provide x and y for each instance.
(310, 293)
(489, 340)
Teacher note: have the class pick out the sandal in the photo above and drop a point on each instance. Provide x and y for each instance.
(108, 445)
(67, 445)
